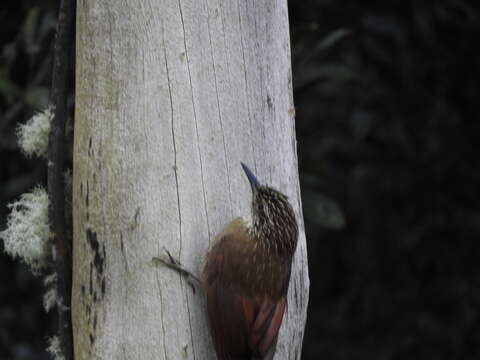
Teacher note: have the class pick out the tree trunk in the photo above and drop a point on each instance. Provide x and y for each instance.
(170, 97)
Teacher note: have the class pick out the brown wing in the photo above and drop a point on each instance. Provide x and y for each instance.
(264, 332)
(244, 326)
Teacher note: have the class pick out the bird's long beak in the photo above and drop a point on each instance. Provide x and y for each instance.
(253, 180)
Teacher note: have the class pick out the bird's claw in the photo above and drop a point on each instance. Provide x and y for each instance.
(174, 264)
(171, 258)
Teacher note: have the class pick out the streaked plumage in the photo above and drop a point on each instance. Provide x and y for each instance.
(246, 274)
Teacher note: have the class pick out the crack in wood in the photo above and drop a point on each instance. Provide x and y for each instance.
(174, 151)
(196, 122)
(225, 156)
(247, 95)
(161, 313)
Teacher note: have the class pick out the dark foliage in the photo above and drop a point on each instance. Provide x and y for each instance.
(387, 126)
(26, 40)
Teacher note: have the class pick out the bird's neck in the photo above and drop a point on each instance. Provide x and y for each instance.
(273, 239)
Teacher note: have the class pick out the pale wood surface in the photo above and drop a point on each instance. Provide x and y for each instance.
(170, 97)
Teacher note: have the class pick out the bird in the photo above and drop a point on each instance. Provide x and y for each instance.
(246, 273)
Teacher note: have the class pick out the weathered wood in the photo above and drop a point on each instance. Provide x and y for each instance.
(170, 97)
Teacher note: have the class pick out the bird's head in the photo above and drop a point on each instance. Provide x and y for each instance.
(273, 218)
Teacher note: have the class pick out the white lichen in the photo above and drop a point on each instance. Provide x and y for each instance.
(27, 235)
(33, 135)
(50, 298)
(55, 349)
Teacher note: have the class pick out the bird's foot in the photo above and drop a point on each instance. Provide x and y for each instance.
(174, 264)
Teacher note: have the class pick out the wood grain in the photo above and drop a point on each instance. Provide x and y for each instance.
(170, 97)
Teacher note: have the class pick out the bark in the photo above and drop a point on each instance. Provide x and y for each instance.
(170, 97)
(57, 149)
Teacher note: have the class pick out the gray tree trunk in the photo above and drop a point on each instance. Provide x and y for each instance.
(171, 95)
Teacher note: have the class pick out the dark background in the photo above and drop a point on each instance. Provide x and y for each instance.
(387, 123)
